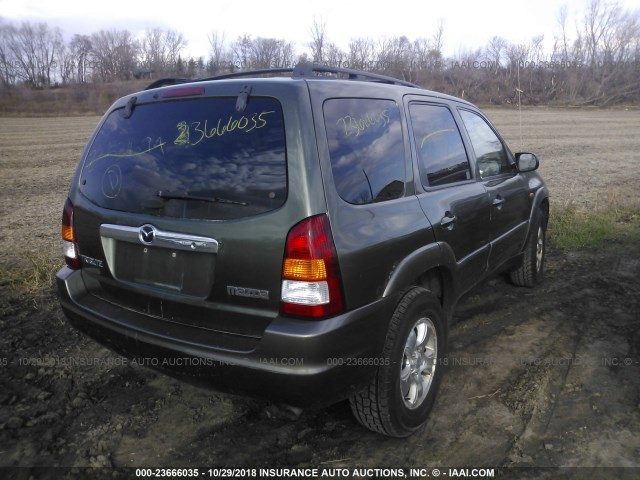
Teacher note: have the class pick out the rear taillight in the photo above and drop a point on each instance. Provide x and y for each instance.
(311, 283)
(69, 246)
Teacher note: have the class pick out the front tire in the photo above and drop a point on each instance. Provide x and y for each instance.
(399, 398)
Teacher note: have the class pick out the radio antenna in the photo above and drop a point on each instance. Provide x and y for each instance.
(520, 106)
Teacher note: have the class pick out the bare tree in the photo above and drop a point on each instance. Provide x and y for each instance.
(113, 54)
(427, 53)
(219, 58)
(255, 53)
(152, 52)
(610, 37)
(393, 55)
(561, 18)
(29, 53)
(318, 42)
(517, 55)
(422, 58)
(495, 51)
(33, 48)
(335, 56)
(161, 49)
(361, 53)
(65, 63)
(242, 52)
(286, 54)
(264, 53)
(465, 80)
(7, 63)
(438, 38)
(81, 47)
(174, 43)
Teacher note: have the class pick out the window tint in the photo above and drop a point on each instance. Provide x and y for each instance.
(366, 149)
(191, 159)
(490, 153)
(441, 154)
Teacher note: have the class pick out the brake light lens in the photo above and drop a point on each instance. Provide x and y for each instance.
(183, 92)
(311, 282)
(69, 245)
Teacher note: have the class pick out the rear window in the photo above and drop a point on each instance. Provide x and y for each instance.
(198, 159)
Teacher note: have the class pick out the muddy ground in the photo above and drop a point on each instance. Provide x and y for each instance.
(538, 377)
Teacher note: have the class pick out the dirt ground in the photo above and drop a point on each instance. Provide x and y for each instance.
(544, 377)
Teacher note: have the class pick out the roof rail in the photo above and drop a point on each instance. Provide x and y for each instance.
(247, 73)
(308, 70)
(168, 81)
(302, 70)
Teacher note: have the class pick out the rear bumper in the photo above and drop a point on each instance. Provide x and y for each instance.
(303, 363)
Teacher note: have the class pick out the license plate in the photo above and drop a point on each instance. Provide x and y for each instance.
(190, 273)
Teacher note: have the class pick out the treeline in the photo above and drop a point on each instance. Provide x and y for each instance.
(594, 60)
(36, 55)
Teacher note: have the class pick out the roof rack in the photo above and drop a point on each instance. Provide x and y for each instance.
(308, 70)
(302, 70)
(247, 73)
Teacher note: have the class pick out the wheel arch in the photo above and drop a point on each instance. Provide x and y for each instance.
(432, 267)
(544, 206)
(541, 201)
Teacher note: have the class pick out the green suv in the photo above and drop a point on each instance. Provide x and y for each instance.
(301, 235)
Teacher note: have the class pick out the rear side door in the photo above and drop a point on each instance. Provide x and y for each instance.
(457, 206)
(376, 219)
(507, 191)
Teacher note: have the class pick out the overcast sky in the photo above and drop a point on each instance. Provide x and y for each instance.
(467, 25)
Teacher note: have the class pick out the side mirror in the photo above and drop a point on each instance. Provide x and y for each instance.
(527, 162)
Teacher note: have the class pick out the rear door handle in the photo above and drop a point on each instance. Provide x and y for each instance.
(448, 220)
(498, 201)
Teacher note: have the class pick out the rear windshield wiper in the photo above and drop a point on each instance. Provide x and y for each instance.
(202, 198)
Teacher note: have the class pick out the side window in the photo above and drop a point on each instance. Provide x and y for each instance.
(441, 155)
(366, 149)
(490, 153)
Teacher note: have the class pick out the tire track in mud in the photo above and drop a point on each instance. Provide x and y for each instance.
(585, 424)
(562, 405)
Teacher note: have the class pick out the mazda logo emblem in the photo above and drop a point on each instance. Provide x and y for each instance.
(147, 234)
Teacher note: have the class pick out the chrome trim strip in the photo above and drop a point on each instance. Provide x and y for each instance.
(177, 241)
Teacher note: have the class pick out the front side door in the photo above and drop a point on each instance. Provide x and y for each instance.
(507, 192)
(457, 206)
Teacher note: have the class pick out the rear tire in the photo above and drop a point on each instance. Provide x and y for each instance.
(531, 269)
(399, 398)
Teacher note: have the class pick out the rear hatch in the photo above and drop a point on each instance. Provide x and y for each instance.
(182, 212)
